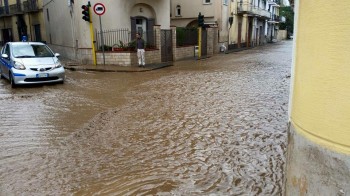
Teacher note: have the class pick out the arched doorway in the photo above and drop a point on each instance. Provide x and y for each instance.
(192, 24)
(142, 21)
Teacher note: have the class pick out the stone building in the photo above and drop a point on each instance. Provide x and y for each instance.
(255, 22)
(184, 13)
(21, 18)
(70, 35)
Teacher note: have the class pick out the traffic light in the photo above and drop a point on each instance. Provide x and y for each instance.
(200, 20)
(86, 12)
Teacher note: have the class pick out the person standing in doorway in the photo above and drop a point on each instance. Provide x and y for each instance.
(140, 47)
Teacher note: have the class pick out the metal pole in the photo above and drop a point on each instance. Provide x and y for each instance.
(102, 41)
(92, 36)
(199, 42)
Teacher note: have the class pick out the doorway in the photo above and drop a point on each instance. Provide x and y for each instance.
(239, 38)
(37, 33)
(250, 32)
(257, 37)
(7, 35)
(166, 45)
(141, 27)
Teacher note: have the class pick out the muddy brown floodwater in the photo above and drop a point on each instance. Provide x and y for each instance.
(209, 127)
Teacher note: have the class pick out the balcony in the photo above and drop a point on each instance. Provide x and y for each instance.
(244, 8)
(275, 19)
(274, 2)
(248, 8)
(261, 12)
(15, 9)
(3, 11)
(20, 8)
(30, 6)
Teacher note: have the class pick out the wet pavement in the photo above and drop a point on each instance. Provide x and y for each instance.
(209, 127)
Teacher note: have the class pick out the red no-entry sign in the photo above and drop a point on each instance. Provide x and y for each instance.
(99, 9)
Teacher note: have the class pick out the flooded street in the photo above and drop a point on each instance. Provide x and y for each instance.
(210, 127)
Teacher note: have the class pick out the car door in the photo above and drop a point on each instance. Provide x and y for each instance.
(5, 62)
(1, 60)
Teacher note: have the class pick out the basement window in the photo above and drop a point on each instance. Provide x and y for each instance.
(178, 10)
(206, 1)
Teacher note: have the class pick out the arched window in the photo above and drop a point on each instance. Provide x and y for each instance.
(178, 10)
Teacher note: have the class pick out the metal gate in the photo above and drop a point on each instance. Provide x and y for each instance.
(166, 45)
(204, 42)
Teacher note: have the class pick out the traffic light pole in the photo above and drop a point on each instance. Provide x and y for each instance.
(87, 17)
(93, 43)
(102, 41)
(199, 42)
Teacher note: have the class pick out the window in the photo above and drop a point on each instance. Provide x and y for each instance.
(206, 1)
(7, 50)
(225, 2)
(48, 15)
(139, 21)
(28, 51)
(178, 10)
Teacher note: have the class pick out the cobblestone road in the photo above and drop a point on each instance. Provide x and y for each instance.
(216, 126)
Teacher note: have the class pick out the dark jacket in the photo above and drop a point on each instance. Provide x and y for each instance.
(140, 43)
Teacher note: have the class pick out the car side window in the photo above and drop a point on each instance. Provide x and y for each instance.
(7, 50)
(3, 49)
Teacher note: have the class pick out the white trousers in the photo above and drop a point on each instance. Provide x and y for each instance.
(141, 56)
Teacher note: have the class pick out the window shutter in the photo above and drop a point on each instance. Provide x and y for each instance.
(150, 32)
(133, 27)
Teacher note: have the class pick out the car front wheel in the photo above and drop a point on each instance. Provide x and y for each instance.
(12, 82)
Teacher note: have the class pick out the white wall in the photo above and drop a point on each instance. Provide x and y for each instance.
(70, 33)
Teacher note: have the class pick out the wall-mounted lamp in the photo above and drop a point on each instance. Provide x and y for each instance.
(230, 20)
(141, 10)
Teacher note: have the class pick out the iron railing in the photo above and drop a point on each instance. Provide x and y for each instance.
(3, 11)
(186, 36)
(15, 8)
(19, 8)
(30, 5)
(246, 7)
(123, 39)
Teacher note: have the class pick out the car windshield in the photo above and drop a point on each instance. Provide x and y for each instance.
(31, 51)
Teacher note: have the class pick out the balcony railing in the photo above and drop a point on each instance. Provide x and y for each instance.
(30, 5)
(15, 9)
(275, 18)
(244, 7)
(261, 12)
(248, 8)
(3, 11)
(20, 8)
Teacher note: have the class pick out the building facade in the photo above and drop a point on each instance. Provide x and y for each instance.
(255, 22)
(69, 34)
(318, 156)
(241, 23)
(21, 18)
(216, 13)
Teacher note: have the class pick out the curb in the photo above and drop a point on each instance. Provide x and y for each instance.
(117, 68)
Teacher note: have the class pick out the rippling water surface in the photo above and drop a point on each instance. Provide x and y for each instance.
(216, 126)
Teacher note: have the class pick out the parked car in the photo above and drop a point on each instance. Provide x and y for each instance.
(30, 63)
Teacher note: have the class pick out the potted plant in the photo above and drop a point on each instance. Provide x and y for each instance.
(119, 47)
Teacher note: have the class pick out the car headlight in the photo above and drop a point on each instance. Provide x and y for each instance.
(58, 64)
(18, 65)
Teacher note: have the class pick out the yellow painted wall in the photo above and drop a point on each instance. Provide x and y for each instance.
(321, 96)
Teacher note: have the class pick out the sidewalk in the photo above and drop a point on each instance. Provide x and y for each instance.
(70, 65)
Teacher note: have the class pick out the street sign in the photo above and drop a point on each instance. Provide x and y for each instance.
(99, 9)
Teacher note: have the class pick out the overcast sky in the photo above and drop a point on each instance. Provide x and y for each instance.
(286, 2)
